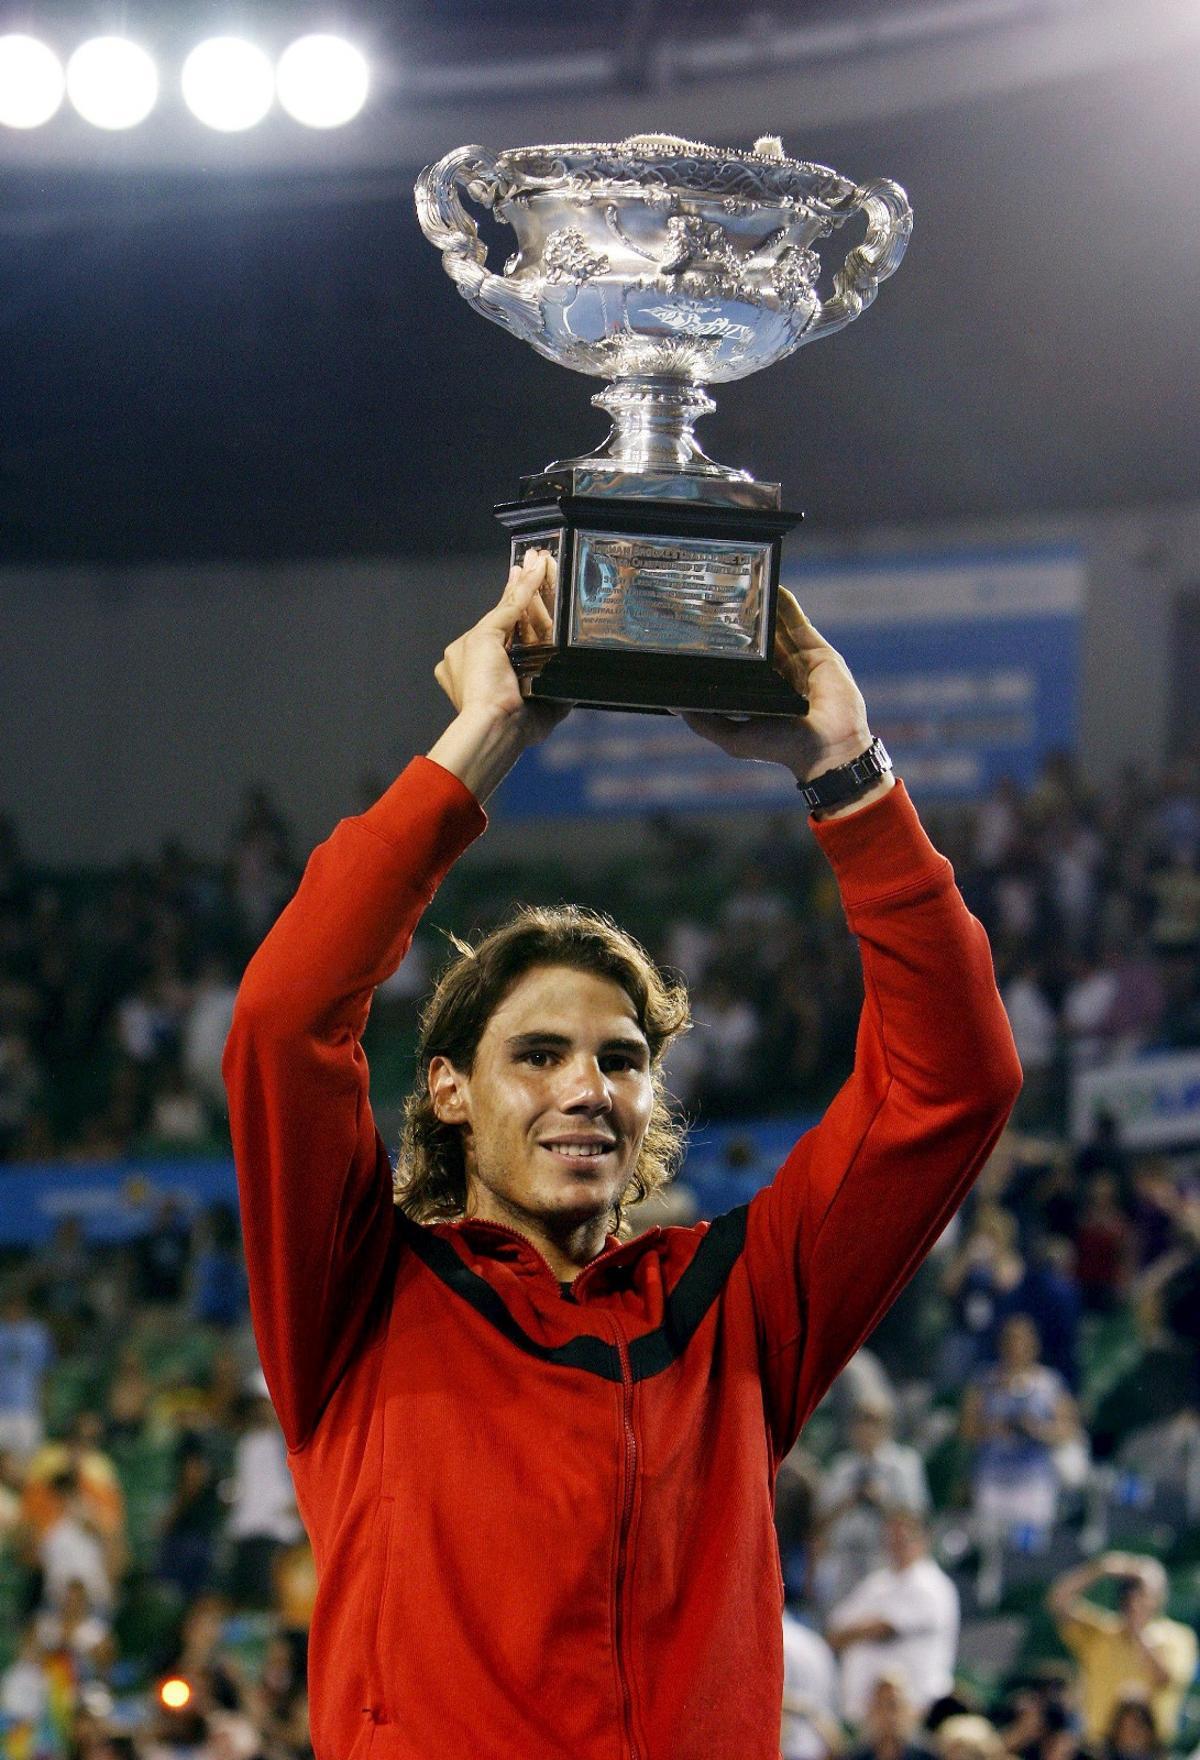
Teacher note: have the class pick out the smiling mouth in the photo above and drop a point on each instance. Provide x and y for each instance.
(578, 1154)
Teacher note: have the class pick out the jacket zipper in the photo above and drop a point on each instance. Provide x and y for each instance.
(623, 1532)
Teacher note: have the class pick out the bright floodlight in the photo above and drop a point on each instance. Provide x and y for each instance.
(31, 82)
(322, 81)
(228, 83)
(112, 82)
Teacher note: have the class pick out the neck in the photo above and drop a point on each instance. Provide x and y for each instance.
(566, 1247)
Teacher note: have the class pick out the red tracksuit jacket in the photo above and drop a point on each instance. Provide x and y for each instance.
(543, 1526)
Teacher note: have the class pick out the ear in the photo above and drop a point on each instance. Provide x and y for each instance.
(448, 1092)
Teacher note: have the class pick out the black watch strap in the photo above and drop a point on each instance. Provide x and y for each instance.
(836, 787)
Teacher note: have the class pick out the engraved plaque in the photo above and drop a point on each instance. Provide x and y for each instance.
(671, 595)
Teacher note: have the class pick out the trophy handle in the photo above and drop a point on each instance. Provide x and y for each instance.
(889, 224)
(446, 223)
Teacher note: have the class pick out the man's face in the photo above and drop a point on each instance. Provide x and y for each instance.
(556, 1105)
(904, 1539)
(869, 1431)
(1139, 1603)
(888, 1711)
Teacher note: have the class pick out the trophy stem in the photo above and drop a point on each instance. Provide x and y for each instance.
(652, 427)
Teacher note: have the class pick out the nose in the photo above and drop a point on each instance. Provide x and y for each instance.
(585, 1088)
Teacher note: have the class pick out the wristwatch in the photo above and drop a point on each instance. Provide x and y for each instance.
(834, 788)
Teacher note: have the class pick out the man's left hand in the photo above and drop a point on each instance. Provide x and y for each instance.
(834, 731)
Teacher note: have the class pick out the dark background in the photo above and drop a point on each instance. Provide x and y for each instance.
(205, 361)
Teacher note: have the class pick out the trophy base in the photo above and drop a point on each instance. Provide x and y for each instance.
(652, 684)
(658, 606)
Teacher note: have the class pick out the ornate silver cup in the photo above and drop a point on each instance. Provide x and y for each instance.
(663, 266)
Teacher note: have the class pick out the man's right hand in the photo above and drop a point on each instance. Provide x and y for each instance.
(494, 723)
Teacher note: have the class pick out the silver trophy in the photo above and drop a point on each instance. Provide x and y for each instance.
(662, 266)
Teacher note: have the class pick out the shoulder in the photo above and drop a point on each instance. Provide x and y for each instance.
(929, 1579)
(1173, 1636)
(1088, 1625)
(801, 1643)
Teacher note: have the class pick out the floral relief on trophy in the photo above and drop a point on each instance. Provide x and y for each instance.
(794, 275)
(566, 256)
(695, 257)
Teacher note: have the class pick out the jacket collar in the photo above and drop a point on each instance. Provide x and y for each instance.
(496, 1240)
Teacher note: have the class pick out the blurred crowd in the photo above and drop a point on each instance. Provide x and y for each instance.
(155, 1581)
(116, 989)
(990, 1531)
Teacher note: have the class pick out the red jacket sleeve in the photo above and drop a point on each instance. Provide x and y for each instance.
(863, 1196)
(314, 1176)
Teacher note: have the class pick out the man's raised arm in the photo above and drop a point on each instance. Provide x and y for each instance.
(314, 1176)
(864, 1195)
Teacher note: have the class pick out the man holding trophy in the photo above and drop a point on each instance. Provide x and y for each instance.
(536, 1459)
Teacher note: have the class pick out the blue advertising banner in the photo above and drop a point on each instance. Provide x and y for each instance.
(969, 661)
(112, 1201)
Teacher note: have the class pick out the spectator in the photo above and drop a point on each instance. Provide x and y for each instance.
(1137, 1646)
(193, 1522)
(219, 1292)
(1044, 1724)
(78, 1470)
(810, 1729)
(968, 1737)
(12, 1483)
(900, 1620)
(178, 1120)
(24, 1689)
(205, 1029)
(1132, 1733)
(874, 1475)
(129, 1396)
(1049, 1294)
(71, 1549)
(982, 1281)
(263, 1520)
(161, 1254)
(75, 1629)
(1155, 1207)
(148, 1020)
(889, 1722)
(58, 1283)
(1103, 1152)
(1035, 1032)
(1139, 996)
(26, 1353)
(263, 873)
(22, 1086)
(997, 823)
(725, 1033)
(201, 1658)
(1015, 1416)
(1103, 1246)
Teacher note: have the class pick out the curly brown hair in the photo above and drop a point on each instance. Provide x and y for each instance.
(430, 1181)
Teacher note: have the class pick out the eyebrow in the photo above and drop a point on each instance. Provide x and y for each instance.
(561, 1042)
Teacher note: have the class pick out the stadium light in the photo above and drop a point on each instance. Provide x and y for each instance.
(228, 83)
(31, 82)
(112, 82)
(322, 81)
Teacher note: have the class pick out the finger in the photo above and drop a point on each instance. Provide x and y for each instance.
(731, 736)
(539, 617)
(516, 597)
(798, 629)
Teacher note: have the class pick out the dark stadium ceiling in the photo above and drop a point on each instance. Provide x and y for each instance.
(244, 348)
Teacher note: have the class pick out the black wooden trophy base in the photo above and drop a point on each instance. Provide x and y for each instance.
(629, 676)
